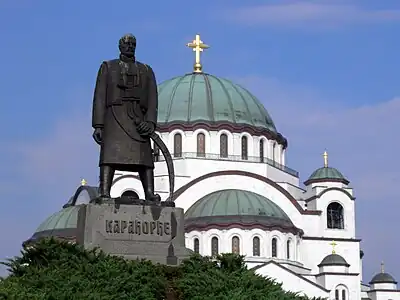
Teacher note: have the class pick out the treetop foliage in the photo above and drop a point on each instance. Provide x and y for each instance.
(58, 270)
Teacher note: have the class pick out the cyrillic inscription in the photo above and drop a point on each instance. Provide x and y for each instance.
(138, 227)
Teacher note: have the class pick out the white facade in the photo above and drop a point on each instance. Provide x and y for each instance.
(201, 170)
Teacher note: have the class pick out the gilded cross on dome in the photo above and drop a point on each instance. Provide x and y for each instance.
(333, 244)
(198, 46)
(83, 182)
(325, 159)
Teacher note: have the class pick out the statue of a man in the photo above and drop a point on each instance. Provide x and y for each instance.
(124, 116)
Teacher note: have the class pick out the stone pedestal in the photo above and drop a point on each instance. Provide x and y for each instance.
(148, 232)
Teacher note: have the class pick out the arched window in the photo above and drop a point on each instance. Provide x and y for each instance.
(201, 145)
(223, 145)
(196, 247)
(214, 246)
(235, 245)
(177, 145)
(288, 250)
(341, 292)
(273, 151)
(261, 150)
(244, 148)
(335, 216)
(274, 247)
(256, 246)
(130, 194)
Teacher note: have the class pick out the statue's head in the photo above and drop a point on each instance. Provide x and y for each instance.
(127, 45)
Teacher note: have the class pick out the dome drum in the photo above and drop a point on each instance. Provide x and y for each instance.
(221, 125)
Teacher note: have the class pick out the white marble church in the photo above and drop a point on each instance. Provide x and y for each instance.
(239, 195)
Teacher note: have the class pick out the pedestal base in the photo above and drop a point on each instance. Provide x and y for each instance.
(154, 232)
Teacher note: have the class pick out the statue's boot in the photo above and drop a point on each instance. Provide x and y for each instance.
(106, 178)
(147, 178)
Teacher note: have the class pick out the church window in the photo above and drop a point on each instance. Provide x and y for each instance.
(177, 145)
(343, 294)
(273, 151)
(130, 194)
(214, 246)
(201, 145)
(244, 148)
(223, 145)
(235, 245)
(196, 247)
(274, 247)
(335, 217)
(256, 246)
(288, 250)
(337, 295)
(261, 150)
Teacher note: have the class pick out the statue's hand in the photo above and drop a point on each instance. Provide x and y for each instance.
(145, 128)
(98, 135)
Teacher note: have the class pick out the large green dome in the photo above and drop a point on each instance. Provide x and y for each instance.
(203, 97)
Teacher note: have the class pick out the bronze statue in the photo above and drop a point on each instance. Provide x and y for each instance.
(124, 119)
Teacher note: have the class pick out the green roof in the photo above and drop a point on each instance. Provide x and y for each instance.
(64, 219)
(326, 173)
(235, 203)
(203, 97)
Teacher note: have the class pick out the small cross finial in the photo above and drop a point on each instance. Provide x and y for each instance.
(83, 182)
(325, 159)
(198, 46)
(333, 244)
(382, 267)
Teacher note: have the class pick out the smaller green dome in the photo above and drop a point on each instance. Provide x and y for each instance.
(64, 219)
(235, 203)
(333, 260)
(326, 174)
(237, 209)
(383, 278)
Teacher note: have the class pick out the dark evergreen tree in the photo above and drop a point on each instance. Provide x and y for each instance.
(57, 270)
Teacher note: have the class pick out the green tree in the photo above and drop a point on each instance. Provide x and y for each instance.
(57, 270)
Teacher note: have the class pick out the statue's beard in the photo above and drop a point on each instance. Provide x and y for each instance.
(128, 51)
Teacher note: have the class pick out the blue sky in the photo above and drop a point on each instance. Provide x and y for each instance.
(327, 71)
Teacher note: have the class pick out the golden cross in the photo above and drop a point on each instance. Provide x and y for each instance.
(83, 182)
(325, 159)
(382, 267)
(333, 244)
(197, 45)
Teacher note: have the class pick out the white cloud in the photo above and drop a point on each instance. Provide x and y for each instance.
(306, 13)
